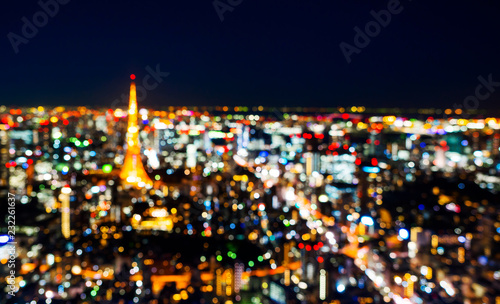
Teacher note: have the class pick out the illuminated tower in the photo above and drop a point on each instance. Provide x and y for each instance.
(133, 173)
(65, 211)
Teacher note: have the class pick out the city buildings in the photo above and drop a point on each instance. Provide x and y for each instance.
(237, 205)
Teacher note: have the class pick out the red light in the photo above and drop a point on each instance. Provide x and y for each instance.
(320, 244)
(374, 162)
(316, 247)
(7, 165)
(320, 260)
(358, 161)
(308, 247)
(30, 161)
(301, 246)
(132, 76)
(345, 116)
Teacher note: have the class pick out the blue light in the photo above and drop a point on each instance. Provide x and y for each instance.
(232, 226)
(340, 288)
(4, 239)
(422, 145)
(465, 143)
(371, 169)
(366, 220)
(92, 153)
(461, 185)
(421, 207)
(404, 234)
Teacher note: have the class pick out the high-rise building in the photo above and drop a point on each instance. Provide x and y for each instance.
(133, 173)
(65, 211)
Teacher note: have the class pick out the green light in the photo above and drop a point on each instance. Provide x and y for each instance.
(157, 177)
(230, 253)
(251, 263)
(260, 258)
(78, 143)
(103, 138)
(219, 258)
(93, 293)
(85, 143)
(41, 187)
(107, 168)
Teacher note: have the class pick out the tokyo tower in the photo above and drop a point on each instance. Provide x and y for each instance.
(133, 173)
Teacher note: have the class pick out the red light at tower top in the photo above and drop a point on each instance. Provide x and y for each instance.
(132, 76)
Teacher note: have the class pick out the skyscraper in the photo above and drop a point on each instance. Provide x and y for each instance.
(133, 173)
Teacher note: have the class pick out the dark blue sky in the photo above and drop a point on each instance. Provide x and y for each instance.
(279, 53)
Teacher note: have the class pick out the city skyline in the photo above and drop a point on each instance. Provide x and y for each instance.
(250, 152)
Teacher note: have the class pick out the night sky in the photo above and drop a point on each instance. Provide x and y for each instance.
(278, 53)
